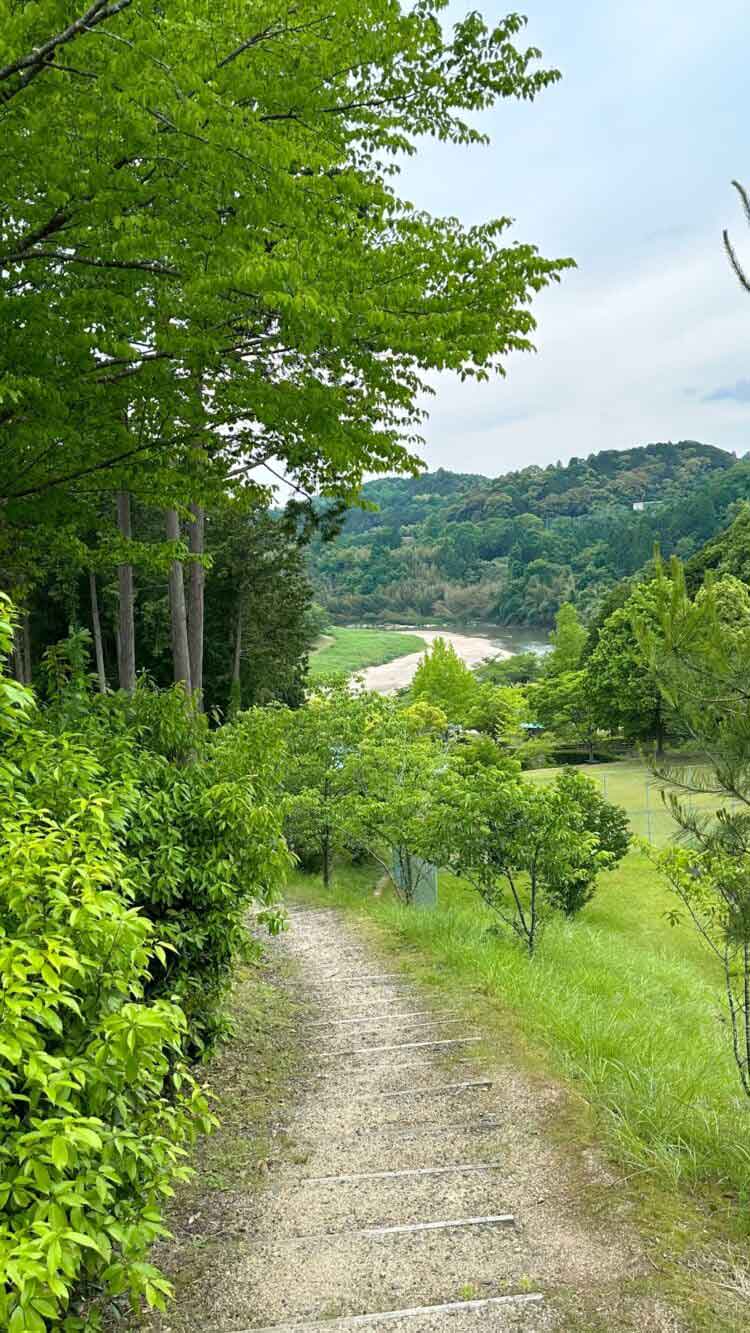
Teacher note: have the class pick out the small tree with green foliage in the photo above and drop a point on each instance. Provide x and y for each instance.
(499, 710)
(596, 816)
(444, 680)
(568, 639)
(523, 847)
(562, 703)
(620, 681)
(321, 737)
(394, 778)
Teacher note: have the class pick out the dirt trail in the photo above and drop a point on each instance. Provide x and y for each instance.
(390, 676)
(422, 1194)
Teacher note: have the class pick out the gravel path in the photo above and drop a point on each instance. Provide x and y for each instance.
(422, 1195)
(390, 676)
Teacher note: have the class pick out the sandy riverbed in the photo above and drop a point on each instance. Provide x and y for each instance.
(394, 675)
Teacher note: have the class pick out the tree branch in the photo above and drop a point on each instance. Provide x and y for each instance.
(272, 32)
(60, 256)
(42, 57)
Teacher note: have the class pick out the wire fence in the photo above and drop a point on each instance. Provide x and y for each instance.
(631, 785)
(649, 815)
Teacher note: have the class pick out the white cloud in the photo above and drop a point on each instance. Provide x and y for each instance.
(626, 165)
(616, 356)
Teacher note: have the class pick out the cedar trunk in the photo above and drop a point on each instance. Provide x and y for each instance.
(196, 601)
(27, 649)
(235, 689)
(96, 626)
(16, 658)
(126, 618)
(178, 609)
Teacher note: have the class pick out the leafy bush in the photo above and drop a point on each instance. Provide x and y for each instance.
(202, 835)
(96, 1103)
(129, 850)
(595, 816)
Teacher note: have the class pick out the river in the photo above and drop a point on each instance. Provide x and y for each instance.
(474, 644)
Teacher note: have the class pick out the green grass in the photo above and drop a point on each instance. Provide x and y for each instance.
(626, 1007)
(630, 783)
(354, 649)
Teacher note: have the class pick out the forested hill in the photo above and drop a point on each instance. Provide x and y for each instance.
(515, 547)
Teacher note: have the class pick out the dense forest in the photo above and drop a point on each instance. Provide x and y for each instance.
(515, 548)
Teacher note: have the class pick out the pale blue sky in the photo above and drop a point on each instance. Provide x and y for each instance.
(625, 165)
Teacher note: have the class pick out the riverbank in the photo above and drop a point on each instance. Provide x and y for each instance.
(395, 675)
(350, 648)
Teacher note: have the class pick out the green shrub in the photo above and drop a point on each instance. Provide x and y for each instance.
(131, 843)
(201, 833)
(97, 1106)
(594, 815)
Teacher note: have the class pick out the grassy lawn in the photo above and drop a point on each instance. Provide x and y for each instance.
(626, 1007)
(353, 649)
(630, 784)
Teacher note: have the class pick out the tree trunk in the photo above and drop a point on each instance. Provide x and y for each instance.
(660, 732)
(178, 609)
(235, 688)
(326, 841)
(196, 601)
(16, 658)
(326, 859)
(96, 625)
(126, 617)
(26, 649)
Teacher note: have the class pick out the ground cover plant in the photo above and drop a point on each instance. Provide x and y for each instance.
(353, 649)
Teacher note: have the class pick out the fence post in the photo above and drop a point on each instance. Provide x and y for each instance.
(648, 811)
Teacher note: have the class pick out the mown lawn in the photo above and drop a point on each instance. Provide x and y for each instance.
(354, 649)
(631, 784)
(625, 1006)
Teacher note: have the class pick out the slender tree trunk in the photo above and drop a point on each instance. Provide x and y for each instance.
(178, 609)
(16, 658)
(27, 647)
(326, 859)
(326, 841)
(96, 625)
(126, 591)
(235, 688)
(660, 730)
(196, 601)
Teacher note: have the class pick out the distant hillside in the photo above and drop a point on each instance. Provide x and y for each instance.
(726, 553)
(513, 548)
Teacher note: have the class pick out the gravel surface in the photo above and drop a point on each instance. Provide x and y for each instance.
(302, 1258)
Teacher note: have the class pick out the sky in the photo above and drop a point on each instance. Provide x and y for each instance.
(625, 165)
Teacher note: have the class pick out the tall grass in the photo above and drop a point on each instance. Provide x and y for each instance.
(354, 649)
(626, 1007)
